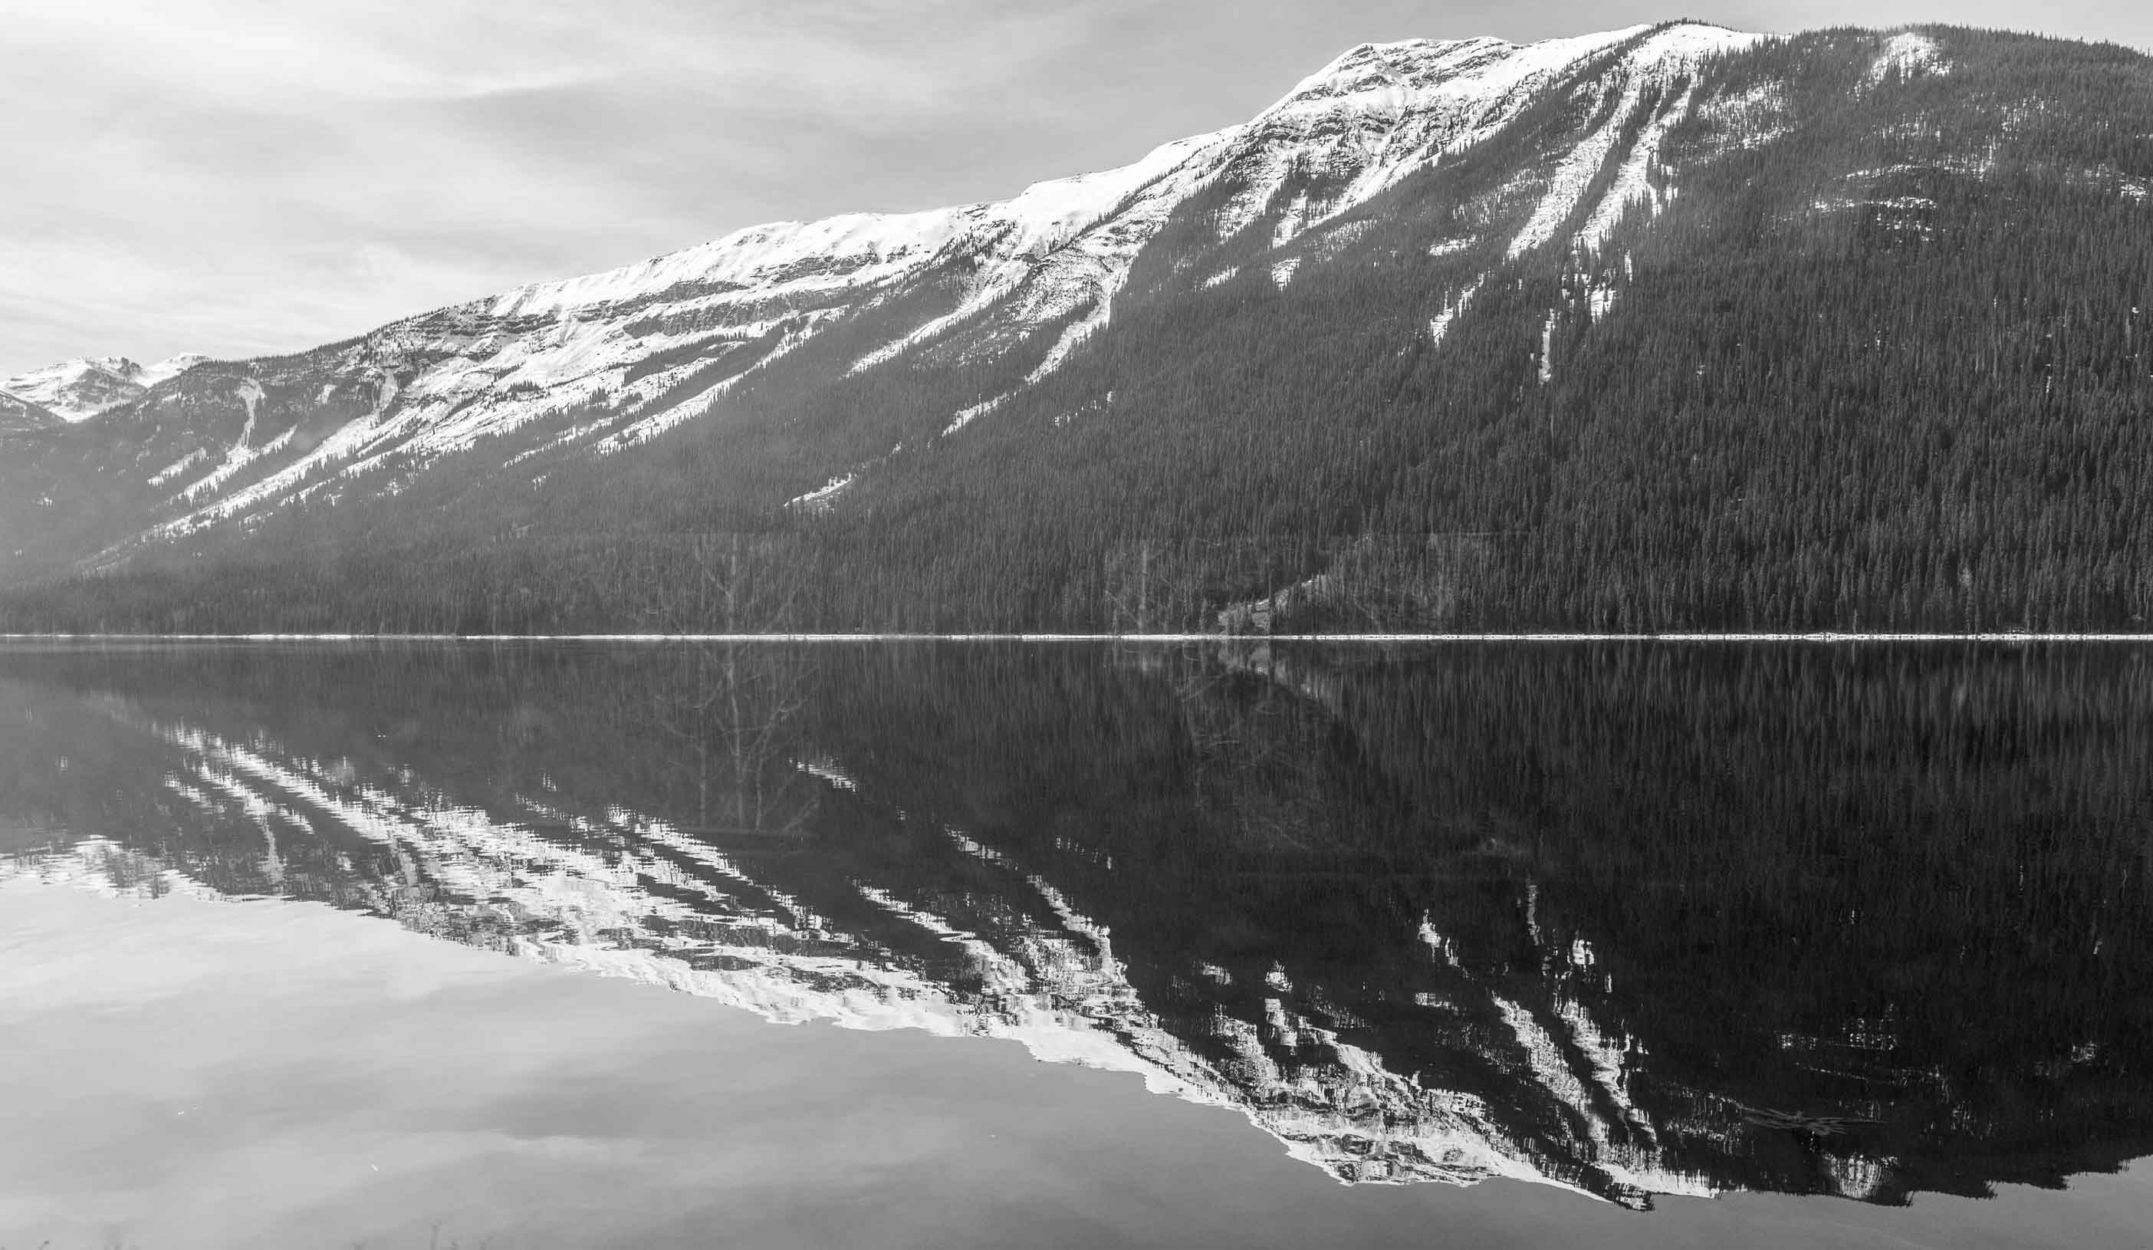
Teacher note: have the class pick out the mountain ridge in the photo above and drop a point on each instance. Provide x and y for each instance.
(788, 261)
(838, 370)
(78, 389)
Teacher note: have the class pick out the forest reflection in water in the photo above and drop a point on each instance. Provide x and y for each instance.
(1632, 919)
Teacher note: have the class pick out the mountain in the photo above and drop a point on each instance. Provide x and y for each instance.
(1596, 917)
(170, 367)
(1664, 328)
(77, 390)
(17, 415)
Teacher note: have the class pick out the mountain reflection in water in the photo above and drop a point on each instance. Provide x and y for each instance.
(1627, 919)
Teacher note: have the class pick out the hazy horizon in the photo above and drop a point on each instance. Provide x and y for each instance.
(235, 178)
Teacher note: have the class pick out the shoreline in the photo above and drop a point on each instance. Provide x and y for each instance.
(1822, 637)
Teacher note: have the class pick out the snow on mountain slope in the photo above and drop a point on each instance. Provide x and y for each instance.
(77, 390)
(601, 364)
(1908, 53)
(169, 367)
(1383, 112)
(17, 413)
(1058, 262)
(791, 259)
(1649, 74)
(629, 340)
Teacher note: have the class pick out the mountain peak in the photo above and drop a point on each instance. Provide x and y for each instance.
(169, 367)
(1486, 71)
(78, 389)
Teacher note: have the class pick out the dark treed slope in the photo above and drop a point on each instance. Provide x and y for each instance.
(1672, 330)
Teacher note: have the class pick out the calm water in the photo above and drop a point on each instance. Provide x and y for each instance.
(1612, 945)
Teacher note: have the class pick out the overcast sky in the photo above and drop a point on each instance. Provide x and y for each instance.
(245, 176)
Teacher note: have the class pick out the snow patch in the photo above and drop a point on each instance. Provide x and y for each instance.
(824, 768)
(1440, 326)
(1291, 222)
(177, 467)
(169, 367)
(1750, 119)
(824, 497)
(343, 443)
(642, 431)
(1093, 322)
(1383, 112)
(1599, 301)
(1633, 183)
(241, 454)
(973, 413)
(1909, 54)
(250, 393)
(1651, 67)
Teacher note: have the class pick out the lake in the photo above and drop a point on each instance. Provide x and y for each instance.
(1083, 944)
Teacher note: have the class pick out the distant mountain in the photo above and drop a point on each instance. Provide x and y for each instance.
(169, 367)
(1663, 328)
(77, 390)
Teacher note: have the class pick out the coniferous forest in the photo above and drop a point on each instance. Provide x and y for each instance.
(1878, 359)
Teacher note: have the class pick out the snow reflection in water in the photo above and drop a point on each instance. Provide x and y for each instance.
(807, 886)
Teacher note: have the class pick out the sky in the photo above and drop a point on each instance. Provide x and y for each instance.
(240, 177)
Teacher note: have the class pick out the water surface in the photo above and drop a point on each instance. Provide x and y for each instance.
(1626, 944)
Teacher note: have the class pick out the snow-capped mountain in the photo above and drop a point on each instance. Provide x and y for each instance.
(1465, 223)
(170, 367)
(592, 366)
(77, 390)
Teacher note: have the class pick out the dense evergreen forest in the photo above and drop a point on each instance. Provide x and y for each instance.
(1880, 360)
